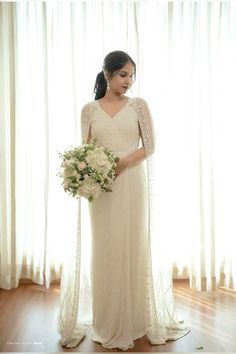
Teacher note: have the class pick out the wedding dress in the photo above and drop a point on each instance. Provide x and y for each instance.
(129, 295)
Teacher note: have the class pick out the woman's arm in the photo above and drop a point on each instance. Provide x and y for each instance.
(130, 160)
(89, 138)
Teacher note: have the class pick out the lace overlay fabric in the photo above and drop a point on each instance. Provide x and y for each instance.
(126, 256)
(86, 118)
(145, 122)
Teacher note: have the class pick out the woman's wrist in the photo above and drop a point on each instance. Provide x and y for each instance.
(126, 161)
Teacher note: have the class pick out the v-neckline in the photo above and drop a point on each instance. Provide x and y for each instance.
(126, 103)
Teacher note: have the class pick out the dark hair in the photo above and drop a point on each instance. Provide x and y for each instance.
(113, 61)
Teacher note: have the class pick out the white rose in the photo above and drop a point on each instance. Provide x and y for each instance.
(98, 160)
(81, 165)
(89, 189)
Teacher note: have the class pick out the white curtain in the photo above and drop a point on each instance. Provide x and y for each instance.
(50, 53)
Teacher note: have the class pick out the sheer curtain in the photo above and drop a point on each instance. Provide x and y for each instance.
(50, 53)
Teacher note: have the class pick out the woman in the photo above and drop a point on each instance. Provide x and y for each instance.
(124, 302)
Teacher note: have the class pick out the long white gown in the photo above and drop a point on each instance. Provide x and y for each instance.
(127, 302)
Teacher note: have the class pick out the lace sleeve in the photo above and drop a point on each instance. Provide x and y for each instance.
(146, 125)
(86, 115)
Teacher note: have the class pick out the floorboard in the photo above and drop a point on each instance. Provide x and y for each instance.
(28, 322)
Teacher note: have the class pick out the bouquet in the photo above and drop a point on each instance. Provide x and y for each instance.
(88, 170)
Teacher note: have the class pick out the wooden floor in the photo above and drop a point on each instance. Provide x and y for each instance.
(28, 322)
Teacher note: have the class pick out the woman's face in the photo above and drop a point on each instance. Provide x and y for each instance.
(122, 79)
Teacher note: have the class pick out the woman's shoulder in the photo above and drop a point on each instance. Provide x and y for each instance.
(138, 102)
(88, 105)
(88, 108)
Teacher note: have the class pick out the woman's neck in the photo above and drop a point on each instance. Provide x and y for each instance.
(111, 96)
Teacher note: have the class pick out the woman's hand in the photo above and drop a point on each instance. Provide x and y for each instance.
(134, 158)
(121, 166)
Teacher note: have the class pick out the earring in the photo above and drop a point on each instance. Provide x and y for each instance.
(108, 85)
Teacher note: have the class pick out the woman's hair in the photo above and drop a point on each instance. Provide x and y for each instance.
(113, 61)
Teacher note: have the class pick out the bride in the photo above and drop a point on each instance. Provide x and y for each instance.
(126, 295)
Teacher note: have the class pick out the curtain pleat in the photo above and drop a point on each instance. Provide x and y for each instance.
(8, 274)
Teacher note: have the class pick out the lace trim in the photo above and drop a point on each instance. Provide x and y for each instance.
(145, 122)
(70, 330)
(86, 116)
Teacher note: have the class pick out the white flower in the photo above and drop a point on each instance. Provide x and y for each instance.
(72, 160)
(76, 175)
(81, 165)
(90, 189)
(98, 160)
